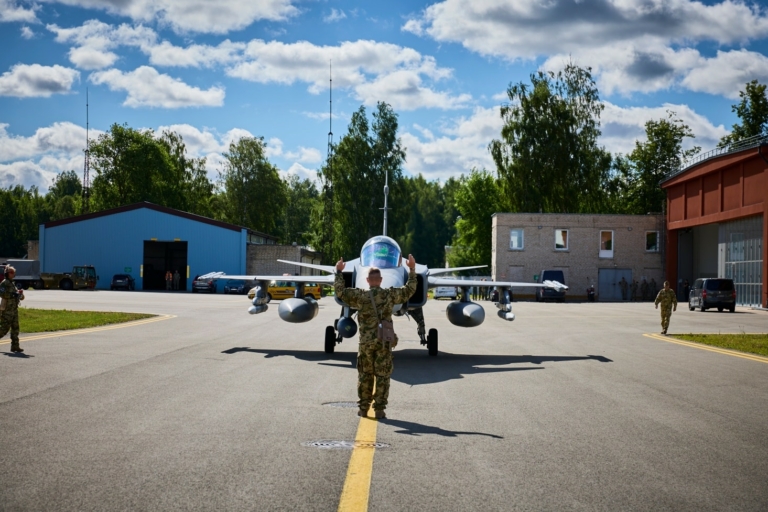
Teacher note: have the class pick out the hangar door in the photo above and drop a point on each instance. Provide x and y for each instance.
(160, 257)
(608, 283)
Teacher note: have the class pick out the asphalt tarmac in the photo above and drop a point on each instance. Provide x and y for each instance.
(569, 407)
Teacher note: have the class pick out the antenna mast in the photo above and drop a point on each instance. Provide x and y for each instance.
(386, 194)
(87, 165)
(329, 175)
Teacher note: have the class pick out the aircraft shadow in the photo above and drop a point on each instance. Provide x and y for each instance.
(414, 367)
(417, 429)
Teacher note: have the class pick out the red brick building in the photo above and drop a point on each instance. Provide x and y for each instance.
(716, 219)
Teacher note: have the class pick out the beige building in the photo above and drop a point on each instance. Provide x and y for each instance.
(590, 250)
(262, 259)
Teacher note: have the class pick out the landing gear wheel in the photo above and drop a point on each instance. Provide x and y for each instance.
(330, 339)
(432, 342)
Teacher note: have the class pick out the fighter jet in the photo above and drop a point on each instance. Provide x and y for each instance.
(384, 253)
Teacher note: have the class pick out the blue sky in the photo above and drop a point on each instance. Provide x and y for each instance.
(215, 71)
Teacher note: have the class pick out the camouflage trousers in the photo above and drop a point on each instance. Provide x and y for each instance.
(374, 366)
(666, 313)
(9, 321)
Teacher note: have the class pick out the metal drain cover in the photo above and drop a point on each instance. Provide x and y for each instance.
(348, 405)
(342, 445)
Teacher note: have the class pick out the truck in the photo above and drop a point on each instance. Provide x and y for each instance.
(28, 275)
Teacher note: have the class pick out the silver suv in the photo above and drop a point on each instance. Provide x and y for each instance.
(712, 292)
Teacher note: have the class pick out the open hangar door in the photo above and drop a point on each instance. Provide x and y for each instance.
(160, 257)
(697, 256)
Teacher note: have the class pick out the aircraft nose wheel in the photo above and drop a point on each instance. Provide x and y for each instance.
(432, 342)
(330, 339)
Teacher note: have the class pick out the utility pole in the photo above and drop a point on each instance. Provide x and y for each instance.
(87, 164)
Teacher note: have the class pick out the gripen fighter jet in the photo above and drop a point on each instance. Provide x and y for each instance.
(384, 253)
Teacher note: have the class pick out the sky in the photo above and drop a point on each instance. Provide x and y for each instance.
(215, 71)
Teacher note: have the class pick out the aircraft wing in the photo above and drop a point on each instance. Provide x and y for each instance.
(440, 281)
(326, 280)
(325, 268)
(436, 271)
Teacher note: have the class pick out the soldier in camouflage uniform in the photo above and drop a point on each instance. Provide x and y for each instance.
(9, 308)
(668, 304)
(374, 357)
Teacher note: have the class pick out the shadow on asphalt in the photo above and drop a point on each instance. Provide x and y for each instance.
(414, 366)
(417, 429)
(17, 355)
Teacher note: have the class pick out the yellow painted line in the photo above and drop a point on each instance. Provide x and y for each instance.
(357, 486)
(725, 351)
(73, 332)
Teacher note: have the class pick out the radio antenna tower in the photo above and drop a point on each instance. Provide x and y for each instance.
(86, 167)
(329, 175)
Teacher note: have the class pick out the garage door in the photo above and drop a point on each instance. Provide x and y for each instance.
(608, 289)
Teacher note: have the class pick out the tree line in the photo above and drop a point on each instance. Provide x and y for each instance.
(547, 157)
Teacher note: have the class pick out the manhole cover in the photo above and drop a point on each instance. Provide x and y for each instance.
(348, 405)
(343, 445)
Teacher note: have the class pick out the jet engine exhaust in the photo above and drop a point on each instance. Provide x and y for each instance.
(298, 310)
(465, 314)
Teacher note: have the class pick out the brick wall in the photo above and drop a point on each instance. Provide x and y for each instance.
(262, 259)
(582, 261)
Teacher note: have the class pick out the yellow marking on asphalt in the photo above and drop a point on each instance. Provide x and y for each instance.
(357, 486)
(725, 351)
(92, 329)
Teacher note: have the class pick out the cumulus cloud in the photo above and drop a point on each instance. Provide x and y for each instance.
(148, 88)
(195, 55)
(373, 71)
(27, 32)
(633, 45)
(727, 73)
(11, 11)
(34, 80)
(202, 16)
(335, 15)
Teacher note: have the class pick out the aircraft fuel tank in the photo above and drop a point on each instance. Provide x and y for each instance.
(346, 327)
(465, 314)
(297, 310)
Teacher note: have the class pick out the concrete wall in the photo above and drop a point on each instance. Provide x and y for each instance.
(262, 259)
(581, 262)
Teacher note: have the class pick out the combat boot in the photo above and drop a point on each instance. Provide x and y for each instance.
(16, 348)
(380, 415)
(363, 413)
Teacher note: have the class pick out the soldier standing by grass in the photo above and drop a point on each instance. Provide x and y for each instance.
(668, 304)
(9, 308)
(374, 357)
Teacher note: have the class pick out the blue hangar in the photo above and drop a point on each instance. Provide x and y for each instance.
(146, 240)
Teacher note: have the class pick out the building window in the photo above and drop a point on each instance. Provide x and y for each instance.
(651, 241)
(516, 239)
(561, 239)
(606, 244)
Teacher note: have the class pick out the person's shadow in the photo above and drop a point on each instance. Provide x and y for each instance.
(416, 429)
(19, 355)
(415, 367)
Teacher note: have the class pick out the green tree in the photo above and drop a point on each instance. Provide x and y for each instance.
(426, 233)
(296, 224)
(65, 195)
(651, 161)
(253, 194)
(21, 213)
(477, 199)
(548, 157)
(753, 112)
(353, 183)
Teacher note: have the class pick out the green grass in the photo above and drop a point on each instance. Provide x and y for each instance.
(751, 343)
(45, 320)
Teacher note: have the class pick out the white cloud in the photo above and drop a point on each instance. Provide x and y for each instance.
(196, 55)
(303, 173)
(10, 11)
(34, 80)
(374, 71)
(148, 88)
(305, 155)
(215, 17)
(27, 174)
(727, 73)
(335, 15)
(633, 45)
(27, 32)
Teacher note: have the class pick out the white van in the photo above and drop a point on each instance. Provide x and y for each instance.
(445, 291)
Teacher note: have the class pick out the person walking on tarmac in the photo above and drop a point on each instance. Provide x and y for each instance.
(168, 279)
(668, 304)
(374, 357)
(9, 308)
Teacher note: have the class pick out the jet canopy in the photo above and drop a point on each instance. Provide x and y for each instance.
(381, 252)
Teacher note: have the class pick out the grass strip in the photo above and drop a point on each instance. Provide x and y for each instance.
(750, 343)
(45, 320)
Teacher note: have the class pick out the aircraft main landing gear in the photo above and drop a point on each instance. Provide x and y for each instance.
(330, 339)
(432, 342)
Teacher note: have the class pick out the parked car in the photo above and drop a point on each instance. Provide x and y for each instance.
(122, 282)
(445, 291)
(204, 284)
(543, 294)
(712, 292)
(287, 289)
(238, 286)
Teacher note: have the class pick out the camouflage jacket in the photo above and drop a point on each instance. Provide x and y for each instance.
(666, 298)
(385, 299)
(10, 296)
